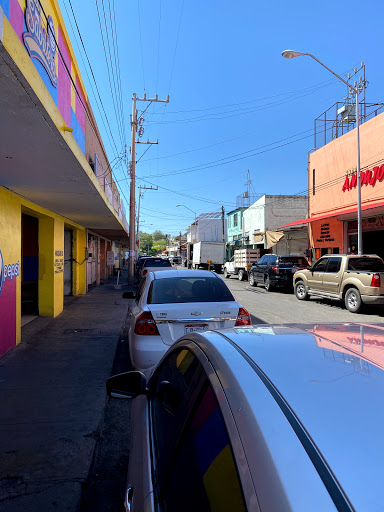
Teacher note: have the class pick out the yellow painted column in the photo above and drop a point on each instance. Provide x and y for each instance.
(79, 270)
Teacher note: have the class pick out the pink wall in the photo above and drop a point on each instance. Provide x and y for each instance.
(16, 17)
(8, 315)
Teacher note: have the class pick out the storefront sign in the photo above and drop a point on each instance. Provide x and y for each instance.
(40, 43)
(59, 262)
(325, 234)
(110, 258)
(7, 271)
(371, 222)
(368, 177)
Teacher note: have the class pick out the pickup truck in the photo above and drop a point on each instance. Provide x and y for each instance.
(240, 263)
(354, 279)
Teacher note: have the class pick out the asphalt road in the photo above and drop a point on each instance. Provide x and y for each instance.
(281, 307)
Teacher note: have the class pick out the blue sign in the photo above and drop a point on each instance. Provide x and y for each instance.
(8, 271)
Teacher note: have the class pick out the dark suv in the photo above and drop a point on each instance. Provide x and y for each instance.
(272, 270)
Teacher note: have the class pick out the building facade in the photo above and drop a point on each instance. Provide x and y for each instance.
(332, 184)
(208, 227)
(235, 230)
(62, 221)
(267, 214)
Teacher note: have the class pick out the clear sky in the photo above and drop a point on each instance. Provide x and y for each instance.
(233, 98)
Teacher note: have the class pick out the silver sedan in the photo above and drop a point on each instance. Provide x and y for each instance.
(259, 418)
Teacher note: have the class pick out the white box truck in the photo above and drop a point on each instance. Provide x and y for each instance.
(208, 255)
(241, 262)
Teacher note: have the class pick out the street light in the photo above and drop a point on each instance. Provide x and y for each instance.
(290, 54)
(183, 205)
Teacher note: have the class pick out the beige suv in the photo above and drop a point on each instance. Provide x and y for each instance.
(355, 279)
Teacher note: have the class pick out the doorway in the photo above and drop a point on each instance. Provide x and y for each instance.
(29, 266)
(68, 244)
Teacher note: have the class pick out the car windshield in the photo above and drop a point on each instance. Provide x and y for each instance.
(175, 290)
(157, 262)
(372, 264)
(293, 260)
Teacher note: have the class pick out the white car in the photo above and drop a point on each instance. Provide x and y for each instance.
(152, 264)
(170, 304)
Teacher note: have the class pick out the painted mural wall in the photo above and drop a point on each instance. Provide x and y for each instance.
(40, 29)
(50, 263)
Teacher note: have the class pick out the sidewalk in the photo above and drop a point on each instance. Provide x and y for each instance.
(52, 398)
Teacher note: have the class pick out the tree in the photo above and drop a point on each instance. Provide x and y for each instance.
(146, 241)
(158, 235)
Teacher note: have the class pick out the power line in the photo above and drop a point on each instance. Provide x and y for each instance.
(93, 76)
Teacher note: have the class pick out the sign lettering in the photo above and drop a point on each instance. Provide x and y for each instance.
(40, 43)
(8, 271)
(368, 177)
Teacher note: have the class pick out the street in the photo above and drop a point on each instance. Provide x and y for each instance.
(282, 307)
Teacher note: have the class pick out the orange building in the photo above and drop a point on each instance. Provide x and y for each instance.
(332, 191)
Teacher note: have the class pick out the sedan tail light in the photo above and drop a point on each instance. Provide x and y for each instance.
(275, 269)
(375, 280)
(243, 318)
(145, 325)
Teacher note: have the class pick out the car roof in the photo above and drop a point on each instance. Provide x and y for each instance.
(331, 378)
(164, 274)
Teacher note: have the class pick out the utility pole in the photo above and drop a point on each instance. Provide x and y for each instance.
(132, 199)
(222, 219)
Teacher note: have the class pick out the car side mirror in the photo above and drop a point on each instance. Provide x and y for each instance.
(129, 295)
(127, 385)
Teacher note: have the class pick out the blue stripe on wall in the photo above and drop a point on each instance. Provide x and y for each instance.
(5, 6)
(77, 132)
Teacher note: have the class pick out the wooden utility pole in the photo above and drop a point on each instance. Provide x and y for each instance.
(132, 169)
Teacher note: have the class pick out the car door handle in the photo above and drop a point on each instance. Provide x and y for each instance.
(128, 501)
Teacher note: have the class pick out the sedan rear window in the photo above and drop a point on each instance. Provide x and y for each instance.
(368, 264)
(175, 290)
(157, 262)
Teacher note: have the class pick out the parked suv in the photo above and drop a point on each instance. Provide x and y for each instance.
(272, 270)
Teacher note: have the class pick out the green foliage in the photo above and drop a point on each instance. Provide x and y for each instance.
(158, 235)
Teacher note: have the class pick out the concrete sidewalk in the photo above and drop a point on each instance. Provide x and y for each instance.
(52, 399)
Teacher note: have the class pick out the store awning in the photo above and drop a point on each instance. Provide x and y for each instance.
(342, 211)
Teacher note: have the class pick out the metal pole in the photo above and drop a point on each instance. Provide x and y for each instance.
(132, 242)
(359, 220)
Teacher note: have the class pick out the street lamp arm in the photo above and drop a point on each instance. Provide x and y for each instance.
(330, 70)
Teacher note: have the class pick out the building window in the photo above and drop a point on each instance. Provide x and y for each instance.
(313, 181)
(235, 220)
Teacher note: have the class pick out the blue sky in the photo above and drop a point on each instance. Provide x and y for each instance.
(233, 98)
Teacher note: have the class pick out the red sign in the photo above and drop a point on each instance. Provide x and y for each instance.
(368, 177)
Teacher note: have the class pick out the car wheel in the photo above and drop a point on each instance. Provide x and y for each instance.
(353, 301)
(240, 275)
(251, 279)
(268, 284)
(301, 291)
(226, 275)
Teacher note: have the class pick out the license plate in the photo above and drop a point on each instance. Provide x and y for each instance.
(195, 328)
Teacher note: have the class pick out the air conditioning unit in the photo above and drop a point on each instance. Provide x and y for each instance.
(347, 113)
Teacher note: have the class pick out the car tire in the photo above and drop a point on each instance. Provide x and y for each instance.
(301, 291)
(240, 275)
(226, 275)
(251, 279)
(267, 284)
(353, 301)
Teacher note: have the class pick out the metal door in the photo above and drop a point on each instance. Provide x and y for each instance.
(68, 237)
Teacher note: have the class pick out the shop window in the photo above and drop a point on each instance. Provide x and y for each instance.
(336, 250)
(314, 181)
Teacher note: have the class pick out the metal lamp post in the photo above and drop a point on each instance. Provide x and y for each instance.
(289, 54)
(190, 211)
